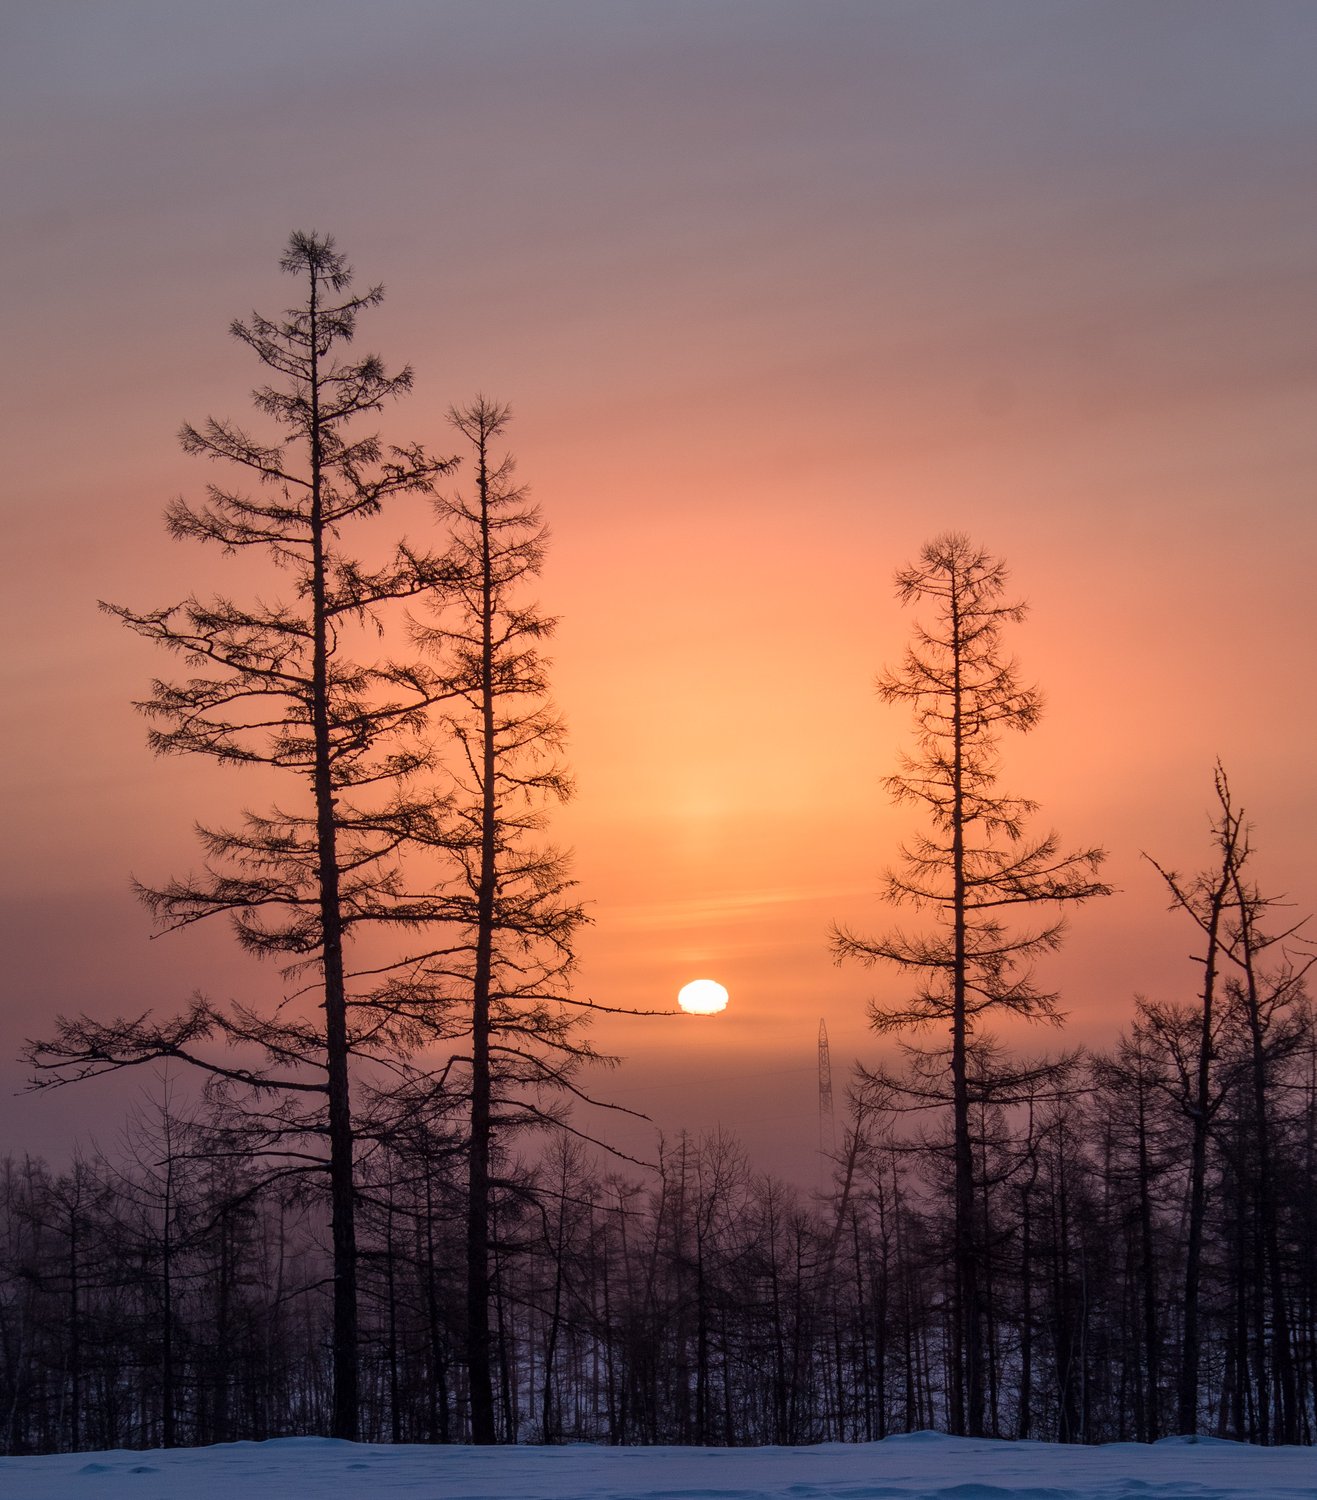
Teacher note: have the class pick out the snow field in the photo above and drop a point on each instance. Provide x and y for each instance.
(917, 1466)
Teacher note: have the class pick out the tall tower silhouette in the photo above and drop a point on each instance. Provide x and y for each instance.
(827, 1116)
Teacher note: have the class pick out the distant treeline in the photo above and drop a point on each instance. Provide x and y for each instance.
(177, 1297)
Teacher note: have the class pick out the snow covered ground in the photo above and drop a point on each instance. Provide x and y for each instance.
(922, 1465)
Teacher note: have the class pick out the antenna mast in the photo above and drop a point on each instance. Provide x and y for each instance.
(827, 1116)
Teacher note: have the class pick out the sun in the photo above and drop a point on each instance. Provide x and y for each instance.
(702, 997)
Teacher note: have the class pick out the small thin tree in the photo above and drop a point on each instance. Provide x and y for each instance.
(1228, 908)
(975, 862)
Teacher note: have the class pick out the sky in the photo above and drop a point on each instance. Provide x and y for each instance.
(921, 1465)
(777, 293)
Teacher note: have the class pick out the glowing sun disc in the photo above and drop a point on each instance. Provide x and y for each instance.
(702, 997)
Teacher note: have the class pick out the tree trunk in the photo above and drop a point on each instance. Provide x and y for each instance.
(479, 1369)
(1186, 1415)
(342, 1192)
(1151, 1423)
(967, 1354)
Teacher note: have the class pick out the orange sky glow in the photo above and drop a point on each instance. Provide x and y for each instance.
(777, 292)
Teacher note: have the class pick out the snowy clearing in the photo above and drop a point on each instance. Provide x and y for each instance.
(923, 1465)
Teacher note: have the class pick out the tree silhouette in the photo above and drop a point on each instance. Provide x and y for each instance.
(276, 685)
(505, 974)
(975, 863)
(1240, 985)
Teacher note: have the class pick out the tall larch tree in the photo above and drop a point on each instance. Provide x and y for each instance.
(506, 976)
(975, 862)
(280, 685)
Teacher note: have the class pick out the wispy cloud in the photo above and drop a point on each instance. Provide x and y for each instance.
(735, 906)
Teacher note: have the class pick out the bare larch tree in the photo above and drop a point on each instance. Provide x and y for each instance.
(504, 978)
(277, 685)
(974, 863)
